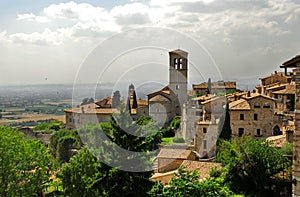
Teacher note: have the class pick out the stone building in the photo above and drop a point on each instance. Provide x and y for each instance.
(295, 63)
(102, 110)
(167, 103)
(253, 116)
(94, 112)
(216, 87)
(207, 126)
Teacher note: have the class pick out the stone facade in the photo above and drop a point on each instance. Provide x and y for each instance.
(295, 63)
(252, 116)
(167, 103)
(216, 87)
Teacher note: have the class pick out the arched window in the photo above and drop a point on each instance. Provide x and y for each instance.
(180, 63)
(256, 105)
(267, 105)
(175, 63)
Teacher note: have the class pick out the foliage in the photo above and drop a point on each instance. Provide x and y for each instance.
(185, 183)
(87, 101)
(134, 102)
(250, 163)
(209, 86)
(172, 128)
(224, 128)
(87, 176)
(116, 99)
(53, 125)
(24, 162)
(167, 140)
(62, 142)
(178, 140)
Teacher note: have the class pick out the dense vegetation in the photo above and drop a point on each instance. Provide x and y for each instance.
(78, 163)
(25, 164)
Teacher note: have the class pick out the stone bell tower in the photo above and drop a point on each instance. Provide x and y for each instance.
(178, 74)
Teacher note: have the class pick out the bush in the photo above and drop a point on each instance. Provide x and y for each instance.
(178, 140)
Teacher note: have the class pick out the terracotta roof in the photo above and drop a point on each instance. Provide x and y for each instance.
(216, 85)
(91, 108)
(213, 99)
(165, 90)
(240, 104)
(255, 95)
(202, 167)
(159, 98)
(280, 74)
(204, 97)
(277, 86)
(277, 141)
(174, 153)
(105, 102)
(289, 89)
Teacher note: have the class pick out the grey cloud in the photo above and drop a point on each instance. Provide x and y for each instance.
(222, 5)
(133, 19)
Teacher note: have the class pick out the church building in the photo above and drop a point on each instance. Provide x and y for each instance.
(167, 103)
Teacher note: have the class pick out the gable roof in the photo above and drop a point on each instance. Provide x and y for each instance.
(213, 99)
(255, 95)
(240, 104)
(106, 102)
(159, 98)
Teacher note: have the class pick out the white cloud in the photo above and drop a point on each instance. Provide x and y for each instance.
(32, 17)
(237, 29)
(76, 11)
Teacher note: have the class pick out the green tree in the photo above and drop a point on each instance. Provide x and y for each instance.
(53, 125)
(209, 88)
(250, 163)
(116, 99)
(62, 143)
(24, 164)
(134, 102)
(97, 178)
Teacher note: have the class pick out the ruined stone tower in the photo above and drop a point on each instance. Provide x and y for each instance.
(178, 74)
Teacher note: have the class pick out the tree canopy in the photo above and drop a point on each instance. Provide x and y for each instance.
(25, 164)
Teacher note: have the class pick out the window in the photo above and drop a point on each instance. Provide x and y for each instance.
(180, 63)
(204, 130)
(258, 132)
(70, 120)
(204, 144)
(241, 116)
(267, 105)
(256, 105)
(255, 116)
(175, 63)
(177, 87)
(241, 132)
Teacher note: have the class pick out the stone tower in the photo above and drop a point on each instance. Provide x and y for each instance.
(178, 74)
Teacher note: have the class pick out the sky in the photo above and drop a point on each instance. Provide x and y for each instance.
(87, 41)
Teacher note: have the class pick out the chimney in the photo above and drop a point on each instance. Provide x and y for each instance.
(248, 94)
(275, 72)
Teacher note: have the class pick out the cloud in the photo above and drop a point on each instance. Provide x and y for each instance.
(45, 38)
(76, 11)
(32, 17)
